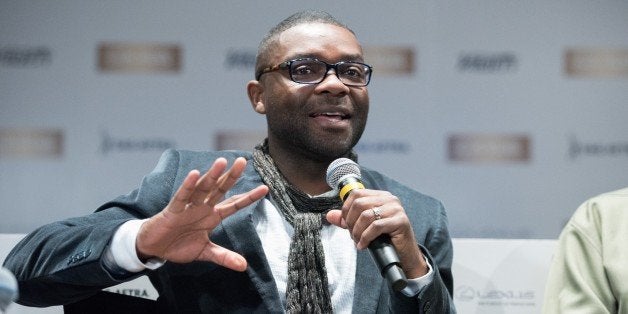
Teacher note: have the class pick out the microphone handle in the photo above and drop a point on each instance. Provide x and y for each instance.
(385, 256)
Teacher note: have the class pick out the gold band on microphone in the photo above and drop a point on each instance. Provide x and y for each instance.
(344, 192)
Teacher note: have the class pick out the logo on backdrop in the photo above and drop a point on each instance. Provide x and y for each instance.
(25, 57)
(31, 143)
(383, 147)
(134, 292)
(581, 149)
(237, 139)
(139, 57)
(497, 297)
(240, 59)
(391, 60)
(487, 62)
(596, 62)
(139, 287)
(110, 144)
(489, 148)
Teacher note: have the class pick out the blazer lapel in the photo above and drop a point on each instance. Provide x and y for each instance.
(242, 234)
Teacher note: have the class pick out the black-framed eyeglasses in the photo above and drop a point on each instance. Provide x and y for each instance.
(314, 71)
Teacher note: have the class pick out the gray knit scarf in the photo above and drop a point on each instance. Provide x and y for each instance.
(308, 289)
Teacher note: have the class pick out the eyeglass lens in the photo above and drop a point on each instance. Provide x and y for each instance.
(314, 71)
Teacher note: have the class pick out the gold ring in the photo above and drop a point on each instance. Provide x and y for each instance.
(377, 212)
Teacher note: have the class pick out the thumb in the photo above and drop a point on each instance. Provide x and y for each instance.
(223, 257)
(334, 217)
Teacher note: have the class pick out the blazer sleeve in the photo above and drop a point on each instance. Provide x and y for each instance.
(436, 297)
(61, 262)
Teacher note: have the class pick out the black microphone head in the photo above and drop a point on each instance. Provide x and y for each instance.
(341, 169)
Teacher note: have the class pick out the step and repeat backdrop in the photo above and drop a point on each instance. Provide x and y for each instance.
(510, 112)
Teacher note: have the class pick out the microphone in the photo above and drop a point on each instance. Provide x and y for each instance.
(344, 176)
(8, 289)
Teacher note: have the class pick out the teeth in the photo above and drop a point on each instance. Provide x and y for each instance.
(329, 114)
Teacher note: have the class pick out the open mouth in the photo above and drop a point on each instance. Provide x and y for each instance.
(331, 115)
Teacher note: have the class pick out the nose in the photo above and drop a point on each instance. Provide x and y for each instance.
(332, 84)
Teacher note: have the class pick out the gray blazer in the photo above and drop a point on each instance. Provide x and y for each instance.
(61, 262)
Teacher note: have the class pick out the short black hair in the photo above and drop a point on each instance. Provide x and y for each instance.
(302, 17)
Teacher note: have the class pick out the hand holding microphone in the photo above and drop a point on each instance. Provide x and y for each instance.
(360, 214)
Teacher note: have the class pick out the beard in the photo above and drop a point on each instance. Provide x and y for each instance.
(295, 132)
(318, 148)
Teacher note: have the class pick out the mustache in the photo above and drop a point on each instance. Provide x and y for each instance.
(331, 101)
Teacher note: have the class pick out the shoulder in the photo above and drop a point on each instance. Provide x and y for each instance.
(197, 154)
(615, 199)
(607, 211)
(383, 182)
(174, 164)
(191, 159)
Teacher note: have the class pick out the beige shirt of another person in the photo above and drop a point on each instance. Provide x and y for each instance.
(589, 271)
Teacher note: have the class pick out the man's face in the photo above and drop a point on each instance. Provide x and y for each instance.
(324, 120)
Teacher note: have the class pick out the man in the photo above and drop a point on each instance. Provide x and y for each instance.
(266, 252)
(588, 272)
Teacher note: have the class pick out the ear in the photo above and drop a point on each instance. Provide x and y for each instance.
(255, 91)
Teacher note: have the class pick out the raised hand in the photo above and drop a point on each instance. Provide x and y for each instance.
(180, 232)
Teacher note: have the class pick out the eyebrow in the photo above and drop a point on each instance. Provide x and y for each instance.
(354, 57)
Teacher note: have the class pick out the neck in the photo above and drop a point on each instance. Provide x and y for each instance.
(307, 174)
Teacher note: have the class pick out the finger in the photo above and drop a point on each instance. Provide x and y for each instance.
(223, 257)
(226, 181)
(366, 200)
(375, 221)
(362, 200)
(207, 182)
(182, 196)
(365, 220)
(390, 225)
(229, 206)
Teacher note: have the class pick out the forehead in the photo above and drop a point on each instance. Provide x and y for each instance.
(324, 41)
